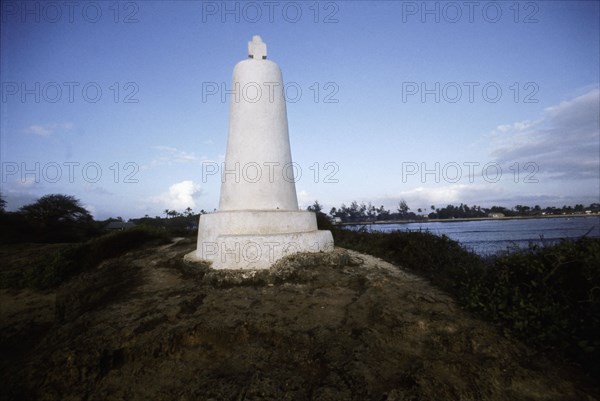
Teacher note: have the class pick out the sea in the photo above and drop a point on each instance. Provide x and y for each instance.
(491, 237)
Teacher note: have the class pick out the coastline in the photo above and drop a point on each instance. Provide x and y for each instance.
(427, 220)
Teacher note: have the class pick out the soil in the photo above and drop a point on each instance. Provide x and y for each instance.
(336, 326)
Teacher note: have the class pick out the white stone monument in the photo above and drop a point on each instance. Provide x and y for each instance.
(258, 221)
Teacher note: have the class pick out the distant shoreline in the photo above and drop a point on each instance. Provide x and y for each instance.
(552, 216)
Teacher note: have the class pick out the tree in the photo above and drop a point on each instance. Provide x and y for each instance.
(403, 208)
(50, 209)
(188, 212)
(2, 204)
(371, 212)
(356, 212)
(58, 218)
(382, 213)
(315, 207)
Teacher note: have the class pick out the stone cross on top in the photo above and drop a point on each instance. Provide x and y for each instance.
(257, 49)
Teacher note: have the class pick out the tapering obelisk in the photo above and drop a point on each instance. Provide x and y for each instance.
(258, 221)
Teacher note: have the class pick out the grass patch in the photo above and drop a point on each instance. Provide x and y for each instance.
(49, 269)
(547, 296)
(438, 258)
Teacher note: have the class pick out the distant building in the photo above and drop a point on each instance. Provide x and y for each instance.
(496, 215)
(119, 226)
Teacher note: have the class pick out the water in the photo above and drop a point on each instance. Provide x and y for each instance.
(488, 237)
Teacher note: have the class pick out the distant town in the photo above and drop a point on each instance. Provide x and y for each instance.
(62, 218)
(367, 213)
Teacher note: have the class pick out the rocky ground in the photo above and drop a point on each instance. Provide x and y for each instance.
(339, 326)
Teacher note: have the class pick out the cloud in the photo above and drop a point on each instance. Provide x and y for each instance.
(40, 130)
(442, 195)
(92, 209)
(563, 143)
(179, 196)
(28, 181)
(96, 190)
(304, 199)
(46, 130)
(17, 199)
(170, 155)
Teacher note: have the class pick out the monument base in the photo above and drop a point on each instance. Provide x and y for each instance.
(255, 239)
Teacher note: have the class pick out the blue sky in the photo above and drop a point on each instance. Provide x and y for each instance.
(488, 103)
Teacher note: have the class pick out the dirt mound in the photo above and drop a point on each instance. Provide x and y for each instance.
(338, 326)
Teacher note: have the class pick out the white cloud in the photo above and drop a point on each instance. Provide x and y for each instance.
(304, 199)
(442, 195)
(179, 196)
(40, 130)
(96, 190)
(171, 155)
(564, 142)
(92, 209)
(46, 130)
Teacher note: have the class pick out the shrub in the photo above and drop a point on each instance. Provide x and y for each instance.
(548, 296)
(443, 261)
(119, 242)
(76, 258)
(323, 221)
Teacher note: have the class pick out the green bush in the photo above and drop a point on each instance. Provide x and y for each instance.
(323, 221)
(440, 259)
(549, 296)
(76, 258)
(119, 242)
